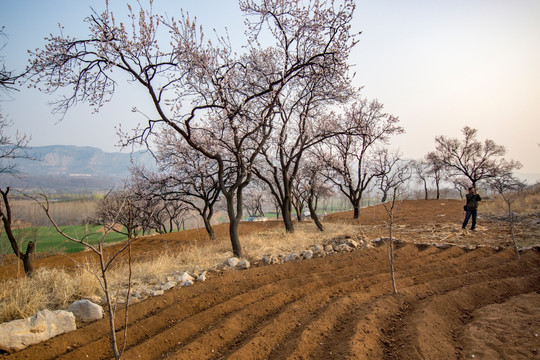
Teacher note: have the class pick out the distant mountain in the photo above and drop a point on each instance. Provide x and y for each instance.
(69, 168)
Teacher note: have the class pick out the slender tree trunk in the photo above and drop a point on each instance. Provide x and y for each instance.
(110, 305)
(234, 210)
(208, 228)
(425, 191)
(394, 289)
(313, 212)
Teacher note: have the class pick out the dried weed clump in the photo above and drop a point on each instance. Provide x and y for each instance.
(56, 288)
(46, 289)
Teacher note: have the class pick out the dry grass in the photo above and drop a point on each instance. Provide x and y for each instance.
(56, 288)
(526, 204)
(47, 289)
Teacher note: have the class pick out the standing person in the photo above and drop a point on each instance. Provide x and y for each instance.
(470, 208)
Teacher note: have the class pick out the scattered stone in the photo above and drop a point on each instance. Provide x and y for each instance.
(329, 249)
(168, 285)
(196, 272)
(318, 249)
(231, 262)
(266, 259)
(18, 334)
(343, 248)
(442, 246)
(86, 311)
(243, 264)
(201, 277)
(291, 257)
(185, 279)
(157, 292)
(308, 254)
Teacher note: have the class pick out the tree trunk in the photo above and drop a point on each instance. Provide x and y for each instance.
(391, 254)
(313, 212)
(234, 211)
(6, 219)
(356, 207)
(287, 218)
(208, 228)
(27, 259)
(235, 240)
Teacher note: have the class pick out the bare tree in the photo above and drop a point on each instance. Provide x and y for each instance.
(117, 207)
(220, 103)
(421, 168)
(184, 175)
(394, 183)
(10, 150)
(299, 124)
(435, 170)
(350, 156)
(510, 189)
(314, 186)
(254, 199)
(473, 159)
(106, 260)
(387, 162)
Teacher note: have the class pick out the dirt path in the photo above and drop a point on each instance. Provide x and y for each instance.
(451, 304)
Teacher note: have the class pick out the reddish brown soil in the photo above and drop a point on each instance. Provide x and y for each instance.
(452, 303)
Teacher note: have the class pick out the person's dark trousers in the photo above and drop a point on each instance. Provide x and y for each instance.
(468, 215)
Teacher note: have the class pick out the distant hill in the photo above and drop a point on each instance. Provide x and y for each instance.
(74, 168)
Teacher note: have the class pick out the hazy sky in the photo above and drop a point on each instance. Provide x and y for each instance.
(438, 65)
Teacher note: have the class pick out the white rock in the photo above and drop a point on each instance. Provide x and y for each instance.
(86, 311)
(328, 249)
(243, 264)
(18, 334)
(291, 257)
(168, 285)
(184, 278)
(352, 243)
(317, 249)
(308, 254)
(157, 292)
(343, 248)
(201, 277)
(231, 262)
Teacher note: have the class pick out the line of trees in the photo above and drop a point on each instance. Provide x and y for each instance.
(282, 113)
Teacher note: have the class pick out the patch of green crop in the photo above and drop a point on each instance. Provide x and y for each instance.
(47, 239)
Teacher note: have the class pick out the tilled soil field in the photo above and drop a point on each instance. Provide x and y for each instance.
(457, 302)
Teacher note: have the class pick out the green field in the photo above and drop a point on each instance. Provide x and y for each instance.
(47, 239)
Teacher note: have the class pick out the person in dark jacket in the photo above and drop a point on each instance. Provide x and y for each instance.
(470, 208)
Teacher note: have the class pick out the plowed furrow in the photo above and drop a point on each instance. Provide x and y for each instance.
(337, 307)
(432, 324)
